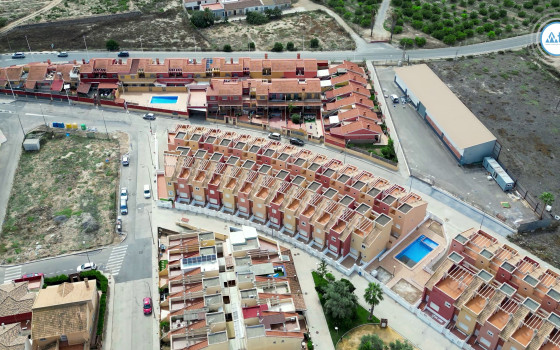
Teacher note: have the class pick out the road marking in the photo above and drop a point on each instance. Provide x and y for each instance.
(12, 273)
(116, 259)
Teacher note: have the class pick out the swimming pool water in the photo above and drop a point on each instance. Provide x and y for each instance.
(164, 99)
(416, 251)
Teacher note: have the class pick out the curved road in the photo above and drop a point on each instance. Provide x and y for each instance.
(378, 52)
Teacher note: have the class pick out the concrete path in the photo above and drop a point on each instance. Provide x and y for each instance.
(379, 32)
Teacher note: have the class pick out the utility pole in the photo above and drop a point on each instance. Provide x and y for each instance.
(106, 132)
(28, 46)
(9, 45)
(41, 106)
(141, 46)
(85, 43)
(373, 13)
(14, 95)
(20, 124)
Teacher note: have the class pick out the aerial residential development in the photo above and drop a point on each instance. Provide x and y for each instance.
(267, 174)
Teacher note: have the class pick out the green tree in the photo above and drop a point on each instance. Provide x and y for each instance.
(406, 42)
(290, 46)
(296, 119)
(547, 198)
(251, 46)
(202, 19)
(314, 43)
(330, 277)
(3, 21)
(275, 13)
(449, 39)
(351, 287)
(256, 18)
(278, 47)
(371, 342)
(491, 35)
(373, 296)
(111, 45)
(420, 41)
(322, 268)
(388, 151)
(340, 304)
(227, 48)
(398, 345)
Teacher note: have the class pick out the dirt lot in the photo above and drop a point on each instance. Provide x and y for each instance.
(352, 340)
(176, 33)
(12, 10)
(516, 98)
(62, 196)
(292, 27)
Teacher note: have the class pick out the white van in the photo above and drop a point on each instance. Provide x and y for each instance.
(147, 193)
(124, 207)
(394, 98)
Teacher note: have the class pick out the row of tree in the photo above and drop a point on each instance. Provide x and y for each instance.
(206, 18)
(373, 342)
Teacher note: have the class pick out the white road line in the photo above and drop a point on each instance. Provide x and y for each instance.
(116, 259)
(12, 273)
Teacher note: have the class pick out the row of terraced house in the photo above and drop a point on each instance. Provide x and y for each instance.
(255, 89)
(494, 298)
(333, 206)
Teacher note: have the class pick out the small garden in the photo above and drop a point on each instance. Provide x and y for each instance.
(456, 22)
(340, 304)
(386, 151)
(102, 285)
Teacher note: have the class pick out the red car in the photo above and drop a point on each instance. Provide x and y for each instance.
(32, 275)
(147, 306)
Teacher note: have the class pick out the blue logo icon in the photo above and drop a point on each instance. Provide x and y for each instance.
(550, 38)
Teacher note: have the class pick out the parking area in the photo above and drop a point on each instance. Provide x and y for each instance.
(430, 160)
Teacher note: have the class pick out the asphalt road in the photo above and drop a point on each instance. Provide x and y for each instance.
(371, 51)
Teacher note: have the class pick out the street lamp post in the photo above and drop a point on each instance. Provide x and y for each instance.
(106, 131)
(20, 124)
(85, 43)
(9, 83)
(87, 254)
(28, 46)
(66, 88)
(41, 106)
(345, 151)
(141, 46)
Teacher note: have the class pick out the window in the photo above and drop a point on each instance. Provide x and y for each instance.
(181, 186)
(212, 192)
(212, 98)
(318, 230)
(169, 184)
(227, 195)
(242, 200)
(197, 188)
(490, 333)
(363, 246)
(434, 307)
(170, 193)
(303, 223)
(288, 216)
(259, 205)
(273, 211)
(333, 239)
(467, 317)
(447, 304)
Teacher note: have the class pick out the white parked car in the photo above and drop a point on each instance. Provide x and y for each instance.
(124, 193)
(147, 193)
(87, 267)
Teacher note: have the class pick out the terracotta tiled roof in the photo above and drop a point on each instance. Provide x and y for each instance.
(13, 73)
(219, 87)
(358, 112)
(59, 320)
(349, 77)
(347, 89)
(358, 127)
(65, 70)
(350, 101)
(15, 299)
(10, 338)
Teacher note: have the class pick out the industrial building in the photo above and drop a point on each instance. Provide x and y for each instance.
(461, 132)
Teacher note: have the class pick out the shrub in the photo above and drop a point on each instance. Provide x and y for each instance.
(314, 43)
(450, 39)
(406, 42)
(347, 15)
(460, 35)
(3, 21)
(488, 27)
(480, 30)
(528, 5)
(111, 45)
(522, 14)
(491, 35)
(51, 281)
(227, 48)
(417, 24)
(509, 28)
(278, 47)
(365, 22)
(164, 326)
(202, 19)
(438, 34)
(555, 3)
(290, 46)
(539, 9)
(275, 13)
(101, 318)
(469, 32)
(100, 279)
(420, 41)
(426, 29)
(483, 11)
(397, 30)
(251, 46)
(256, 18)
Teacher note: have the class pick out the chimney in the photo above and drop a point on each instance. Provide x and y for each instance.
(83, 61)
(231, 60)
(367, 126)
(120, 60)
(361, 100)
(75, 62)
(266, 56)
(298, 56)
(3, 326)
(49, 61)
(194, 60)
(157, 60)
(86, 282)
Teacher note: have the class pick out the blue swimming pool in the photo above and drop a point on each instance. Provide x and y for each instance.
(416, 251)
(164, 99)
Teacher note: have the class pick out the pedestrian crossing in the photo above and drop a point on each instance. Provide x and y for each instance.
(116, 259)
(11, 273)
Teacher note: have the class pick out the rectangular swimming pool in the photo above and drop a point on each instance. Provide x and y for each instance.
(416, 251)
(164, 99)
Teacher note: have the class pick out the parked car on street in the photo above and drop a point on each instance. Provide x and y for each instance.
(123, 54)
(62, 54)
(297, 142)
(28, 275)
(274, 136)
(147, 302)
(18, 55)
(124, 193)
(147, 193)
(87, 267)
(149, 116)
(125, 160)
(124, 207)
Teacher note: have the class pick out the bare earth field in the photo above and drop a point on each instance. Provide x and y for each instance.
(174, 32)
(516, 98)
(62, 199)
(12, 10)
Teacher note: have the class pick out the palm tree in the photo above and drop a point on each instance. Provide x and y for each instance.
(373, 296)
